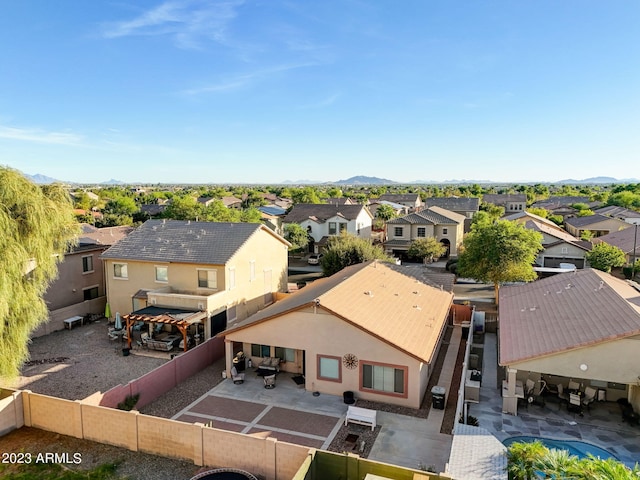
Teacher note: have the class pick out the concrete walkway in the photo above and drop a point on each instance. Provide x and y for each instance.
(416, 442)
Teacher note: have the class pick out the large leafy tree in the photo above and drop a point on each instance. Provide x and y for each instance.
(346, 249)
(297, 236)
(38, 226)
(426, 249)
(385, 212)
(499, 252)
(604, 257)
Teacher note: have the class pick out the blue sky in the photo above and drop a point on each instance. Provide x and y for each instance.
(265, 91)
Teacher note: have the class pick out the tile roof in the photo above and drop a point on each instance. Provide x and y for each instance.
(400, 197)
(385, 302)
(103, 236)
(588, 220)
(501, 198)
(430, 216)
(528, 215)
(184, 241)
(552, 231)
(466, 204)
(321, 212)
(565, 312)
(617, 212)
(625, 240)
(558, 201)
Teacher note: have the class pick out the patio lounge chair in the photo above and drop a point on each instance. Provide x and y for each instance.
(237, 378)
(561, 394)
(269, 381)
(574, 386)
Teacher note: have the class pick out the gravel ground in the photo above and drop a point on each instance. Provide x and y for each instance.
(74, 364)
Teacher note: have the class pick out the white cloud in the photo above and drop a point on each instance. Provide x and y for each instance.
(40, 136)
(186, 21)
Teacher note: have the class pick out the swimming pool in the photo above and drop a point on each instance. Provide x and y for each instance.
(574, 447)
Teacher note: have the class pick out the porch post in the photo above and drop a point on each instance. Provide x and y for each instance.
(509, 399)
(228, 353)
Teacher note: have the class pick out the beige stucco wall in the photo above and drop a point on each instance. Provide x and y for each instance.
(321, 333)
(615, 361)
(410, 232)
(610, 225)
(268, 254)
(572, 252)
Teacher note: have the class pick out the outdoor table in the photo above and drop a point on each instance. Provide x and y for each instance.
(69, 323)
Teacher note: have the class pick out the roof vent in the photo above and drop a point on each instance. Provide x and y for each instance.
(417, 307)
(369, 292)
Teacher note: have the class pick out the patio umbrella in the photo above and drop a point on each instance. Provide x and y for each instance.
(118, 325)
(107, 311)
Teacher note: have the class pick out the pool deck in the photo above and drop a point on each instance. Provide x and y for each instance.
(602, 426)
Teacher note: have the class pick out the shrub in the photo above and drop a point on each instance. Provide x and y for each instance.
(129, 402)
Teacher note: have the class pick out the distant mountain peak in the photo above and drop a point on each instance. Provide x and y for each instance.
(364, 180)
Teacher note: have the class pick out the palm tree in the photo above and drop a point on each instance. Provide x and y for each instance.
(558, 464)
(596, 468)
(522, 457)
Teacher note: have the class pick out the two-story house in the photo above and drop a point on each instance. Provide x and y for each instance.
(79, 289)
(510, 202)
(445, 226)
(597, 225)
(467, 206)
(214, 272)
(325, 220)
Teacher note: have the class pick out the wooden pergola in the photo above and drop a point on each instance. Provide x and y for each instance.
(182, 324)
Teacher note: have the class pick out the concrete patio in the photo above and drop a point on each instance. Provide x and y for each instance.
(601, 426)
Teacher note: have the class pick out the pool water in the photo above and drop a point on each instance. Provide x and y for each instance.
(574, 447)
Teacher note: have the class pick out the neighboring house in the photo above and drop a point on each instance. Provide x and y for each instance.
(598, 225)
(323, 221)
(445, 226)
(340, 201)
(510, 202)
(398, 208)
(206, 201)
(153, 210)
(467, 206)
(223, 271)
(582, 326)
(232, 202)
(79, 289)
(410, 200)
(369, 329)
(559, 246)
(562, 205)
(626, 240)
(271, 216)
(621, 213)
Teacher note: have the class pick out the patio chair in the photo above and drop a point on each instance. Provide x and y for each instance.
(589, 397)
(237, 378)
(573, 386)
(575, 403)
(269, 381)
(561, 394)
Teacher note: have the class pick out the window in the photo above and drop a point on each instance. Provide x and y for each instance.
(207, 279)
(286, 354)
(232, 278)
(343, 227)
(329, 368)
(422, 232)
(445, 231)
(384, 378)
(162, 274)
(120, 270)
(232, 313)
(87, 264)
(252, 270)
(564, 250)
(332, 228)
(397, 231)
(260, 350)
(90, 293)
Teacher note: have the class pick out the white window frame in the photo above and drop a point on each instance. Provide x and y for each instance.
(252, 270)
(156, 268)
(92, 269)
(232, 278)
(215, 278)
(123, 266)
(333, 228)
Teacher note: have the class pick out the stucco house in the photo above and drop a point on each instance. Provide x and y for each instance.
(626, 240)
(325, 220)
(467, 206)
(79, 289)
(559, 246)
(409, 200)
(369, 329)
(621, 213)
(598, 225)
(511, 202)
(582, 326)
(225, 271)
(445, 226)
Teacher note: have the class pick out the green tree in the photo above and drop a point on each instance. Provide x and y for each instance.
(541, 212)
(251, 215)
(499, 252)
(346, 249)
(522, 458)
(426, 249)
(297, 236)
(489, 214)
(604, 257)
(185, 207)
(38, 226)
(385, 212)
(558, 464)
(305, 195)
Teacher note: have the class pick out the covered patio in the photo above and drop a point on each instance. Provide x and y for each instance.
(167, 327)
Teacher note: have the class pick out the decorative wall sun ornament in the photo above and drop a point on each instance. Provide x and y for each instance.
(350, 361)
